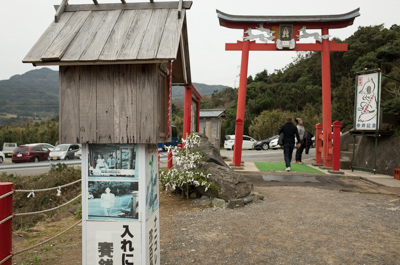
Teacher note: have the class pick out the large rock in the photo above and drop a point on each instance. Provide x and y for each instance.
(210, 153)
(231, 185)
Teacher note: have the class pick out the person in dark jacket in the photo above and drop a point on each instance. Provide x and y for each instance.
(289, 131)
(308, 141)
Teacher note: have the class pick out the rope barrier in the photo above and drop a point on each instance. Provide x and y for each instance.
(32, 193)
(21, 251)
(55, 188)
(7, 194)
(5, 259)
(20, 214)
(6, 219)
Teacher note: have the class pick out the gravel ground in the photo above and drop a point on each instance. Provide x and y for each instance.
(336, 220)
(293, 225)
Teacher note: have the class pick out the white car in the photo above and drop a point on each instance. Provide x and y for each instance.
(274, 144)
(2, 157)
(8, 148)
(246, 144)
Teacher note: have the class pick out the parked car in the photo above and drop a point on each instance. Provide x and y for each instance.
(78, 154)
(48, 146)
(246, 144)
(8, 148)
(2, 157)
(264, 144)
(273, 144)
(31, 153)
(64, 152)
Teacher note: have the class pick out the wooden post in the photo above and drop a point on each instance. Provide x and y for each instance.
(241, 105)
(318, 144)
(6, 227)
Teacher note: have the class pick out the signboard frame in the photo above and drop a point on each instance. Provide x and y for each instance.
(367, 100)
(119, 234)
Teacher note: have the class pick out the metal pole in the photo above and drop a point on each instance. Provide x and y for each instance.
(237, 153)
(354, 151)
(376, 149)
(6, 227)
(337, 125)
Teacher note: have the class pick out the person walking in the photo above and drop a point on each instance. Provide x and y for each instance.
(302, 131)
(289, 132)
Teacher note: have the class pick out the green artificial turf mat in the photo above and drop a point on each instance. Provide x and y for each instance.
(280, 166)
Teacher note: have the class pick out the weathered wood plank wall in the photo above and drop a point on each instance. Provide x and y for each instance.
(111, 103)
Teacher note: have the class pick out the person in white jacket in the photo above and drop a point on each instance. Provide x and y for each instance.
(301, 130)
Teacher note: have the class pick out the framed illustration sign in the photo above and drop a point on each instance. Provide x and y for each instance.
(120, 204)
(367, 101)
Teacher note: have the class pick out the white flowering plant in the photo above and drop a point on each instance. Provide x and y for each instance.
(185, 176)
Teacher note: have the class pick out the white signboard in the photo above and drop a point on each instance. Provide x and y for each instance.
(153, 239)
(367, 102)
(120, 204)
(113, 243)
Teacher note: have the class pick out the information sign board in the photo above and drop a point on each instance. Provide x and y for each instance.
(367, 101)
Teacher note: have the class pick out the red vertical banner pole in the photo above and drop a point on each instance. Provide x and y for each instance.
(187, 112)
(337, 125)
(326, 100)
(318, 144)
(241, 105)
(6, 227)
(169, 158)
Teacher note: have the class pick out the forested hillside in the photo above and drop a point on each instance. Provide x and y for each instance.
(296, 90)
(33, 95)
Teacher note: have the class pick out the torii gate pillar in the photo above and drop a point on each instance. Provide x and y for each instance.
(326, 100)
(237, 152)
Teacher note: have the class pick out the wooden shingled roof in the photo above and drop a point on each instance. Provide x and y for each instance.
(122, 33)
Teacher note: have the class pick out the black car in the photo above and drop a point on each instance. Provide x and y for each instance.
(264, 144)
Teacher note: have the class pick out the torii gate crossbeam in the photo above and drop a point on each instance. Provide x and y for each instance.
(281, 29)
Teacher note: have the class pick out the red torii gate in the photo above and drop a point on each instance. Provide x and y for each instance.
(285, 31)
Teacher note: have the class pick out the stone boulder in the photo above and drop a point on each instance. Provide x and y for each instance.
(210, 153)
(231, 185)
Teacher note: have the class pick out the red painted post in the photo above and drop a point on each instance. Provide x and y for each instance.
(169, 158)
(326, 99)
(6, 227)
(187, 111)
(337, 125)
(318, 144)
(241, 105)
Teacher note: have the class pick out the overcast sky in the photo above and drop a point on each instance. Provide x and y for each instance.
(22, 22)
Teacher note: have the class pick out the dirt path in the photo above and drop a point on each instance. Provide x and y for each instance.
(347, 222)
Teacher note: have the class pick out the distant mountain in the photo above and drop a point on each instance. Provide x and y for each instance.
(35, 94)
(30, 95)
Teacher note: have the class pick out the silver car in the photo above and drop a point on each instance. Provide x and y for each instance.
(64, 152)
